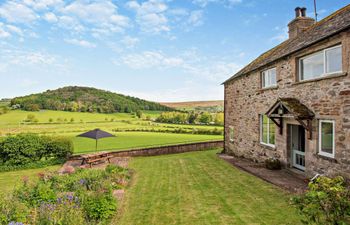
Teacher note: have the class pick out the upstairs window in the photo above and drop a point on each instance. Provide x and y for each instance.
(321, 64)
(326, 138)
(268, 78)
(267, 131)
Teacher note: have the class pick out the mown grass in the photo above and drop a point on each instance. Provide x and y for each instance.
(130, 140)
(8, 180)
(10, 123)
(199, 188)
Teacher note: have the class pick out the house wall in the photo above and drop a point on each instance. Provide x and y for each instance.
(328, 98)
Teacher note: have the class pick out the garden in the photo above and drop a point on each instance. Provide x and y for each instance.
(83, 197)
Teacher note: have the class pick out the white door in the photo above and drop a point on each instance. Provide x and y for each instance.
(298, 146)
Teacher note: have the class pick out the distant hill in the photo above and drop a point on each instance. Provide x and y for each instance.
(85, 99)
(211, 106)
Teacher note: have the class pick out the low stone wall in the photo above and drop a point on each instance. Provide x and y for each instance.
(163, 150)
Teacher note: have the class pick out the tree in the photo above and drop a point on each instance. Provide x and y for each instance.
(219, 119)
(326, 202)
(205, 118)
(139, 114)
(50, 120)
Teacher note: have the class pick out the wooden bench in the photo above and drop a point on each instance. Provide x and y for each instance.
(92, 158)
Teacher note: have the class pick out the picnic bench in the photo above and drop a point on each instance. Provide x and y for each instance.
(96, 157)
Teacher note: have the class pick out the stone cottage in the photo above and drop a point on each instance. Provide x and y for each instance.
(293, 101)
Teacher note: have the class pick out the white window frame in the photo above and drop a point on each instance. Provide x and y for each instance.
(231, 134)
(268, 132)
(324, 74)
(263, 85)
(320, 152)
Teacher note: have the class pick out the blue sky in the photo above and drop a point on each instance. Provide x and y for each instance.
(160, 50)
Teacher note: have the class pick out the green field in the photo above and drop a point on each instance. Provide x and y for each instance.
(8, 180)
(129, 140)
(12, 123)
(199, 188)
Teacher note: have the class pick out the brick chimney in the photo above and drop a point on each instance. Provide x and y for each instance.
(300, 23)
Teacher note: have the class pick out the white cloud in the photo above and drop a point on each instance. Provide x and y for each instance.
(15, 29)
(196, 18)
(3, 33)
(150, 15)
(43, 4)
(130, 42)
(282, 34)
(16, 12)
(190, 62)
(102, 15)
(150, 59)
(12, 58)
(227, 3)
(50, 17)
(82, 43)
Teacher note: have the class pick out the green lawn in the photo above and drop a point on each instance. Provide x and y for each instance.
(8, 180)
(129, 140)
(199, 188)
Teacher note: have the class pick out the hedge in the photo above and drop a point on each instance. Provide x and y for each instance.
(25, 149)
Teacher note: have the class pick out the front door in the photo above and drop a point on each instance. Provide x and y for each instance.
(298, 146)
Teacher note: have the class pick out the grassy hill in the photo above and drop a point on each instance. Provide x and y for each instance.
(85, 99)
(211, 106)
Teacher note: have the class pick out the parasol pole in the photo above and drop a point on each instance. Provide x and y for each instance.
(96, 146)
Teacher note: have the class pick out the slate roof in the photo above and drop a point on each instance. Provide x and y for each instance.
(331, 25)
(294, 107)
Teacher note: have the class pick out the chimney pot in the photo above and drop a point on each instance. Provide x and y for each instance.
(297, 12)
(300, 23)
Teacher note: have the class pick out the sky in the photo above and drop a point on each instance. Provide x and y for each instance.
(159, 50)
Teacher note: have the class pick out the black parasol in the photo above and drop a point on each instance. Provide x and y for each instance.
(96, 134)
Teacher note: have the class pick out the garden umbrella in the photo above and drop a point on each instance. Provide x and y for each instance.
(96, 134)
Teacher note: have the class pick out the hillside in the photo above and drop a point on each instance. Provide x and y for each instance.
(85, 99)
(211, 106)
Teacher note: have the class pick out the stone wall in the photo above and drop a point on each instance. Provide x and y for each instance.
(328, 98)
(171, 149)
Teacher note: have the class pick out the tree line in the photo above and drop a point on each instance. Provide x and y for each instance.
(84, 99)
(191, 118)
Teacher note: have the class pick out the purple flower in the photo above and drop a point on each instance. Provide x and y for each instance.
(82, 181)
(15, 223)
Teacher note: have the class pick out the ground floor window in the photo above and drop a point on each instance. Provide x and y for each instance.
(231, 133)
(326, 138)
(267, 131)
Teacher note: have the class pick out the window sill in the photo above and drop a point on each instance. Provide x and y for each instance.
(335, 75)
(328, 158)
(267, 146)
(268, 88)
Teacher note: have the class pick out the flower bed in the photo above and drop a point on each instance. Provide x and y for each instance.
(83, 197)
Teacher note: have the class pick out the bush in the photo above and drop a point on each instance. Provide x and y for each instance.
(66, 210)
(100, 206)
(58, 147)
(21, 149)
(326, 202)
(24, 149)
(273, 164)
(12, 210)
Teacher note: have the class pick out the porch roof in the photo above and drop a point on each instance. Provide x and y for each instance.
(290, 107)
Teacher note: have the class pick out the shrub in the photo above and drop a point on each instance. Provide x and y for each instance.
(99, 205)
(326, 202)
(12, 210)
(66, 210)
(273, 164)
(58, 147)
(34, 195)
(21, 149)
(24, 149)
